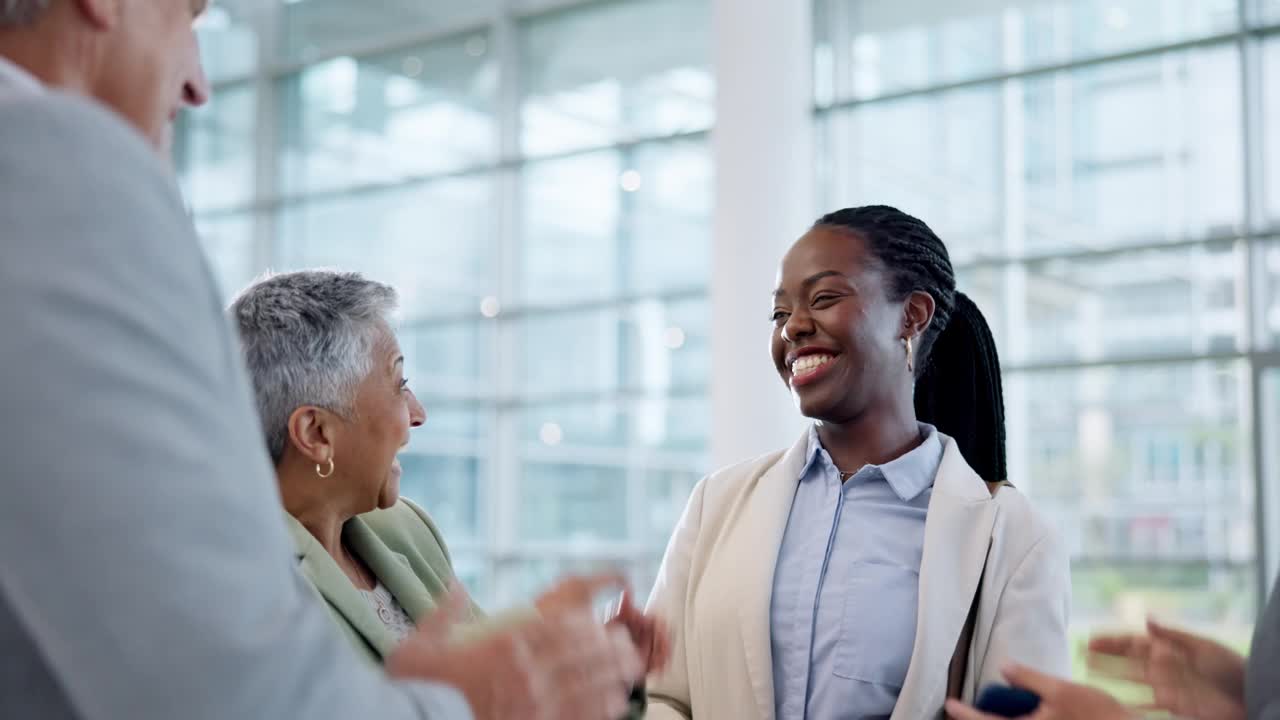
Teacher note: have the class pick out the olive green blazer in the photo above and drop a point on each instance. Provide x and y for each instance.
(403, 548)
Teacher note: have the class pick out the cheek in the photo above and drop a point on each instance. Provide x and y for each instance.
(777, 349)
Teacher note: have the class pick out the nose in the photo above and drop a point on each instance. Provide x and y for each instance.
(196, 90)
(798, 325)
(417, 413)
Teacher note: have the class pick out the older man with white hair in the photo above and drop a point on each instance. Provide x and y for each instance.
(145, 569)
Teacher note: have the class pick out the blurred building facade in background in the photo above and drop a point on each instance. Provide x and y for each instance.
(537, 178)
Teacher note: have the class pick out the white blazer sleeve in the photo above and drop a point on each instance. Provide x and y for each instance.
(669, 696)
(1030, 624)
(143, 554)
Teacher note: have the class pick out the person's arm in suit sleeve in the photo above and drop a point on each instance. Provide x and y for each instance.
(669, 696)
(1031, 618)
(142, 547)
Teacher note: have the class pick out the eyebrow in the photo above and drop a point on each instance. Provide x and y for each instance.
(809, 281)
(397, 361)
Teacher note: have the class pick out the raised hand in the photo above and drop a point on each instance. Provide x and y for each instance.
(1189, 676)
(566, 666)
(649, 634)
(1059, 700)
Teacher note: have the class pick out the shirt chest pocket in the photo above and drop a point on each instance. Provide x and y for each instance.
(878, 629)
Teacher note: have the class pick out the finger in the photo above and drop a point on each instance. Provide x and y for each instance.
(1118, 668)
(1127, 644)
(452, 608)
(959, 711)
(626, 656)
(1037, 682)
(597, 583)
(662, 647)
(627, 604)
(1180, 638)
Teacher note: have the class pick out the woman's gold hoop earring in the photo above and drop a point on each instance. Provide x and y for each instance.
(325, 474)
(911, 357)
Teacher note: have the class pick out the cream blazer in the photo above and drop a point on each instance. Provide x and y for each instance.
(991, 555)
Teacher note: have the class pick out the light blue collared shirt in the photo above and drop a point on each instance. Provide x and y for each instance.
(845, 591)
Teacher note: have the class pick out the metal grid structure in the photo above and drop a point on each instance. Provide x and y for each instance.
(1005, 271)
(479, 466)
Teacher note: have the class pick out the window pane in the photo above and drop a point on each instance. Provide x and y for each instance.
(655, 422)
(1184, 301)
(666, 492)
(613, 71)
(1130, 153)
(678, 423)
(472, 569)
(526, 577)
(322, 26)
(228, 43)
(872, 47)
(449, 359)
(228, 243)
(1270, 151)
(213, 150)
(387, 117)
(947, 173)
(1140, 151)
(1269, 11)
(611, 222)
(446, 487)
(1267, 267)
(431, 241)
(667, 219)
(649, 345)
(454, 424)
(1146, 471)
(572, 211)
(573, 503)
(668, 344)
(574, 427)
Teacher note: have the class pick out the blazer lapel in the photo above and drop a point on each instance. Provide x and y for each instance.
(957, 536)
(392, 568)
(336, 588)
(758, 536)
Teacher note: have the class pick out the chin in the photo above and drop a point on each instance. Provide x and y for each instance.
(390, 494)
(815, 406)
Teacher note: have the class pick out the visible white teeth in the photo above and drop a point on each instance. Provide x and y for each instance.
(809, 363)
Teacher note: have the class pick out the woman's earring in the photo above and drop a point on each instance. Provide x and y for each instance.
(325, 474)
(911, 357)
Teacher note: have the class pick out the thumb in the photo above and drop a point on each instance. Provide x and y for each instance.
(1037, 682)
(627, 606)
(1182, 639)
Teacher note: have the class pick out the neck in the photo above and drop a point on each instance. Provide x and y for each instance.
(314, 504)
(872, 438)
(54, 59)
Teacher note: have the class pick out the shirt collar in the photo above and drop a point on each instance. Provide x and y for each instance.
(14, 80)
(908, 475)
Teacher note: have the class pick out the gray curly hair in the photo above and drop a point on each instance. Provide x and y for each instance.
(21, 12)
(307, 339)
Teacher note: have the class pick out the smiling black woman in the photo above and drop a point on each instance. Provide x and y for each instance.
(872, 570)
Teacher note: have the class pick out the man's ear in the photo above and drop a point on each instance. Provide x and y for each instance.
(104, 14)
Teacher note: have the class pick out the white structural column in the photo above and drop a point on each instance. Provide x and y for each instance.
(764, 199)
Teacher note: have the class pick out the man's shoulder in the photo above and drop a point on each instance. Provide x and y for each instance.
(69, 122)
(86, 200)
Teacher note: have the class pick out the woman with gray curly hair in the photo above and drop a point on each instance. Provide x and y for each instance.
(336, 408)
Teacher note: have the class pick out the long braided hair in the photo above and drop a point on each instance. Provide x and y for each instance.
(957, 386)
